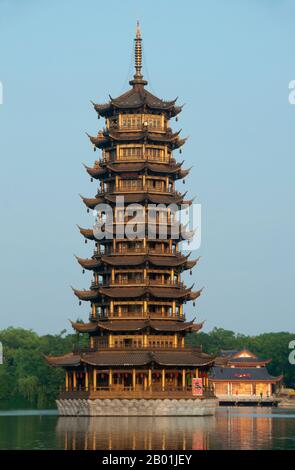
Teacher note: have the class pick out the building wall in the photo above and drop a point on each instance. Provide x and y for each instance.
(242, 388)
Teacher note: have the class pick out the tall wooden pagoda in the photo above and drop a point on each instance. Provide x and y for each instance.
(136, 361)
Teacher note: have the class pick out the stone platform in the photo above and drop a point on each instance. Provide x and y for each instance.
(137, 407)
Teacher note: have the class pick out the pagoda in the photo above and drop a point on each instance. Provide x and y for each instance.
(136, 361)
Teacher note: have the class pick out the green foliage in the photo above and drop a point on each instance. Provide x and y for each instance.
(26, 380)
(273, 346)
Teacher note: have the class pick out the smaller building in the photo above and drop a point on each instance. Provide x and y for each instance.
(241, 374)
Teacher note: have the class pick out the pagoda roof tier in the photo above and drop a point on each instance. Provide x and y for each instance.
(136, 198)
(133, 358)
(89, 234)
(99, 171)
(136, 325)
(243, 358)
(137, 98)
(96, 263)
(105, 138)
(239, 374)
(136, 292)
(67, 360)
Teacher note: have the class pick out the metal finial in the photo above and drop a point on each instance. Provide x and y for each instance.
(138, 52)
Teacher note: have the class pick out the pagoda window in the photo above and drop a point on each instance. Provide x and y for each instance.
(156, 184)
(130, 121)
(155, 153)
(130, 152)
(127, 309)
(154, 122)
(129, 277)
(112, 122)
(160, 309)
(159, 247)
(159, 215)
(120, 215)
(125, 215)
(130, 247)
(130, 184)
(109, 155)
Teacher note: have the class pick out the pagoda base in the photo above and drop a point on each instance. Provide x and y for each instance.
(137, 407)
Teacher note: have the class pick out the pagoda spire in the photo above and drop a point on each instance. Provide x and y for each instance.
(138, 52)
(138, 77)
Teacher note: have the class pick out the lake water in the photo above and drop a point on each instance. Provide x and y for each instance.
(231, 428)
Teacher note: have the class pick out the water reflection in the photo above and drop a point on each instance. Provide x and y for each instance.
(229, 429)
(232, 428)
(145, 433)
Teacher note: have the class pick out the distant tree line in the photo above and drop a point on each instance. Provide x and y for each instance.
(26, 381)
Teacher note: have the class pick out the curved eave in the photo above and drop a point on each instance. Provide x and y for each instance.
(136, 260)
(194, 295)
(249, 363)
(137, 325)
(91, 203)
(85, 327)
(99, 172)
(175, 359)
(86, 294)
(183, 235)
(103, 140)
(89, 263)
(137, 292)
(67, 360)
(136, 358)
(87, 233)
(119, 104)
(129, 198)
(271, 379)
(157, 292)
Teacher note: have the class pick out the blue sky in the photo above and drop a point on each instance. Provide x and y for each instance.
(231, 63)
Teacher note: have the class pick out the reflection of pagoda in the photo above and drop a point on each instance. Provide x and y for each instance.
(137, 433)
(137, 362)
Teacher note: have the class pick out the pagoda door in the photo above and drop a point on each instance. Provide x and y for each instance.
(156, 381)
(80, 380)
(127, 379)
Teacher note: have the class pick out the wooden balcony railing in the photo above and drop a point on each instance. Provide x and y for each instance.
(137, 314)
(146, 156)
(137, 392)
(138, 188)
(104, 345)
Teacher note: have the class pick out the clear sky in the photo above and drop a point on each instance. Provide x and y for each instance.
(231, 63)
